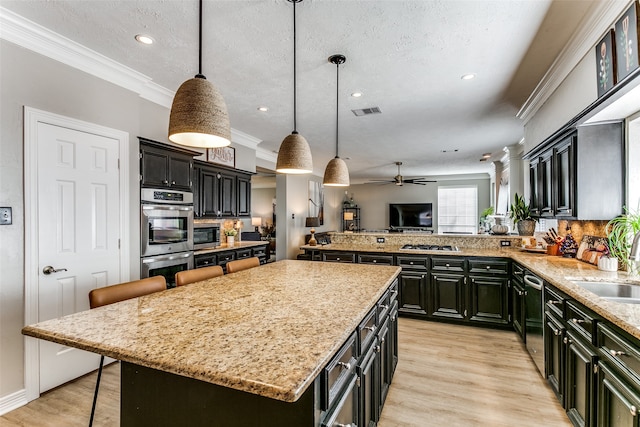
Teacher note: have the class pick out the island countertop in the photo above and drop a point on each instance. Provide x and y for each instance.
(268, 330)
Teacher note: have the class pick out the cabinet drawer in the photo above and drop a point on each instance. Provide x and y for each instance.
(620, 351)
(518, 273)
(554, 301)
(346, 411)
(224, 257)
(448, 264)
(339, 257)
(375, 259)
(581, 321)
(383, 305)
(367, 330)
(413, 263)
(243, 253)
(338, 371)
(485, 266)
(393, 292)
(205, 260)
(259, 251)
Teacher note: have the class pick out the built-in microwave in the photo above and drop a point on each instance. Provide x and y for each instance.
(206, 235)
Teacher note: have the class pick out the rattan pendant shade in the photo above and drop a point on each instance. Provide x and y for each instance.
(336, 173)
(294, 155)
(199, 116)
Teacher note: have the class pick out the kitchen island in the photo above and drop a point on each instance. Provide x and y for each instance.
(263, 346)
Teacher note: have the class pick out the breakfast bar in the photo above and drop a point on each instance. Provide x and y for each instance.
(278, 344)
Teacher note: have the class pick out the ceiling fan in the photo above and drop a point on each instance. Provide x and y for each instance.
(399, 179)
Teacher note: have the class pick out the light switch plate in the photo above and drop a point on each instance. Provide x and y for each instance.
(5, 216)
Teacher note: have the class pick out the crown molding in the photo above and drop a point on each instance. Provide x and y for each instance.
(600, 18)
(29, 35)
(35, 37)
(266, 155)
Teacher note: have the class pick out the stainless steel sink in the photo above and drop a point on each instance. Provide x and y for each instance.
(613, 291)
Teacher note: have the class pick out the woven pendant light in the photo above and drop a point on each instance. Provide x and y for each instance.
(294, 155)
(199, 115)
(336, 174)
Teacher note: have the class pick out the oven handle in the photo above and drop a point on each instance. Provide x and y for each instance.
(170, 257)
(533, 281)
(166, 208)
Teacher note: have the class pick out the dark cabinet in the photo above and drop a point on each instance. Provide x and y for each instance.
(618, 403)
(518, 301)
(554, 334)
(580, 380)
(368, 373)
(567, 177)
(489, 301)
(413, 285)
(221, 192)
(243, 195)
(448, 296)
(339, 257)
(164, 166)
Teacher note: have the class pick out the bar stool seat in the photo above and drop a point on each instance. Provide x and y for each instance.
(242, 264)
(186, 277)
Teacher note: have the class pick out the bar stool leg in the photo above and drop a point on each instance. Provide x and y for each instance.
(95, 395)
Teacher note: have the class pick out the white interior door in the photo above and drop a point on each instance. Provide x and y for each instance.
(78, 235)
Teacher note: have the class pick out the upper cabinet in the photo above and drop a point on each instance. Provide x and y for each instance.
(163, 166)
(221, 192)
(579, 174)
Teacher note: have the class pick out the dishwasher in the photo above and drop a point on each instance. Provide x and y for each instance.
(534, 323)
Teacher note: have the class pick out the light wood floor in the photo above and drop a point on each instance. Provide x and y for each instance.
(448, 375)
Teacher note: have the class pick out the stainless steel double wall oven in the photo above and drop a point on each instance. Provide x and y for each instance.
(166, 233)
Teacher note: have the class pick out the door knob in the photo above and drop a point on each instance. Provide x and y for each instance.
(48, 270)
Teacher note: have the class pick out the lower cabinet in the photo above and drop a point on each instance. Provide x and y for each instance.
(222, 257)
(488, 300)
(448, 296)
(554, 356)
(580, 380)
(518, 308)
(355, 383)
(413, 292)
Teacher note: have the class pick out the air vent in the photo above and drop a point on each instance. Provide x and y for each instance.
(367, 111)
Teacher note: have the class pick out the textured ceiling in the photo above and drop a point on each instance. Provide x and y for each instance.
(406, 57)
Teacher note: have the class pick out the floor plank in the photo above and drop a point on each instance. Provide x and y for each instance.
(448, 375)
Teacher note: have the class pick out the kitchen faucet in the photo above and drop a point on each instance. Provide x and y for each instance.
(635, 248)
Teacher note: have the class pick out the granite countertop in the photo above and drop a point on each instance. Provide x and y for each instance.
(268, 330)
(556, 270)
(236, 245)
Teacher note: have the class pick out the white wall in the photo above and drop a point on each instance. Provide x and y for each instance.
(374, 199)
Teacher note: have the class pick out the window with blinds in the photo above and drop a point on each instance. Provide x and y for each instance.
(458, 210)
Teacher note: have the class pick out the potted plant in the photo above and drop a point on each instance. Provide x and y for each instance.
(620, 232)
(231, 235)
(520, 214)
(485, 222)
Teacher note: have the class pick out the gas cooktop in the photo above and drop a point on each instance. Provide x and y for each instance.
(431, 247)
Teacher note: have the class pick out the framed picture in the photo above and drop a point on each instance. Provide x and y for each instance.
(222, 156)
(316, 201)
(627, 41)
(605, 62)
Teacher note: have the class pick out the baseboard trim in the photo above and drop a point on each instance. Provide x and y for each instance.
(13, 401)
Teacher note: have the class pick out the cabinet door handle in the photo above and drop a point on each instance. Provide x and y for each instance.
(370, 328)
(410, 262)
(345, 425)
(633, 410)
(346, 366)
(488, 267)
(173, 183)
(577, 321)
(165, 182)
(615, 353)
(557, 332)
(553, 302)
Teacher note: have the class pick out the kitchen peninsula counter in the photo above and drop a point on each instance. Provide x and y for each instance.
(558, 271)
(267, 331)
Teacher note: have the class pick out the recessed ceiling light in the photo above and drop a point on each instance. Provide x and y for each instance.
(356, 94)
(486, 155)
(144, 39)
(468, 76)
(263, 109)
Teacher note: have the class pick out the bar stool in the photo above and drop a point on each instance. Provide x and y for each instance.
(242, 264)
(116, 293)
(186, 277)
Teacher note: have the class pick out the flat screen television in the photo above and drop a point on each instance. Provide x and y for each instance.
(412, 215)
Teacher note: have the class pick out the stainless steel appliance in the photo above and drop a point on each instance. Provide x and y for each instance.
(166, 222)
(206, 235)
(167, 266)
(534, 322)
(166, 233)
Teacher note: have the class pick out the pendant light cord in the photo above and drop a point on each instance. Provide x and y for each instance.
(200, 75)
(294, 68)
(337, 96)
